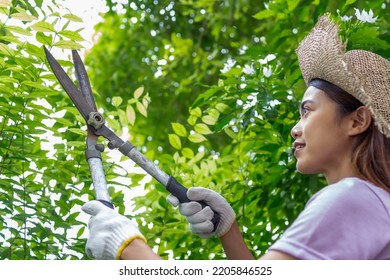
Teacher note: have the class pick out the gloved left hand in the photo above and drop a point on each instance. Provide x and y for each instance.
(109, 232)
(199, 217)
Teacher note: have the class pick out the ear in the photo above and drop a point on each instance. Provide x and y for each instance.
(360, 121)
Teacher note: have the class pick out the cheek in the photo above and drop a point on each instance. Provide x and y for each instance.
(311, 130)
(319, 145)
(320, 135)
(325, 146)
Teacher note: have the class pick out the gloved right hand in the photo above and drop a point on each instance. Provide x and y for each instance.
(109, 232)
(200, 218)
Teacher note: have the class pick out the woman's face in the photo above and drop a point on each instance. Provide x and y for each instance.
(321, 144)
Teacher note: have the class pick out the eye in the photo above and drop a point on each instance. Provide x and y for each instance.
(305, 110)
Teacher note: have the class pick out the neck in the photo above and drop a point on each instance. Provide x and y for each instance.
(344, 171)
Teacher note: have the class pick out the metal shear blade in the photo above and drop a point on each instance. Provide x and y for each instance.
(85, 103)
(82, 78)
(83, 100)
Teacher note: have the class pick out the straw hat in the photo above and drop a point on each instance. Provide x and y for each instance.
(363, 74)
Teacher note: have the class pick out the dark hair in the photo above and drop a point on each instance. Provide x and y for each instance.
(371, 150)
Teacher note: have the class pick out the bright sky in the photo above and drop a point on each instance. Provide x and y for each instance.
(90, 11)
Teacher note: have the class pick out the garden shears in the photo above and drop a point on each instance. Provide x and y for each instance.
(83, 99)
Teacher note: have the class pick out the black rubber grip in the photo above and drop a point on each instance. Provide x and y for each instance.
(178, 190)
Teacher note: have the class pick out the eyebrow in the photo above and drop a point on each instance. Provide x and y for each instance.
(304, 103)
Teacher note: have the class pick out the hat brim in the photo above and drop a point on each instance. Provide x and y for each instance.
(322, 55)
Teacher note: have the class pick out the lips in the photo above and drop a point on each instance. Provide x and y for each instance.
(298, 146)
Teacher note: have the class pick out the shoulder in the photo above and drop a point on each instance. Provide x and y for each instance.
(346, 220)
(352, 194)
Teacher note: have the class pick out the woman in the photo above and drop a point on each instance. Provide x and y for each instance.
(343, 133)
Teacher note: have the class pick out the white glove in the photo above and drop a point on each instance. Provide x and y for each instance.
(109, 232)
(200, 219)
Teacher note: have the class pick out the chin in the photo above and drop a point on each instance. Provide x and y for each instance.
(304, 169)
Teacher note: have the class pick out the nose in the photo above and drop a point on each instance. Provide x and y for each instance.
(296, 131)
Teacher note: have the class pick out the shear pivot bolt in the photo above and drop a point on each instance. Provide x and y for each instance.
(96, 120)
(99, 147)
(111, 145)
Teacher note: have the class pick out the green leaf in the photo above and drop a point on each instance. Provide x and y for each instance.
(80, 232)
(44, 39)
(73, 17)
(202, 129)
(4, 11)
(76, 143)
(5, 3)
(42, 26)
(66, 44)
(264, 14)
(4, 49)
(146, 101)
(209, 119)
(130, 113)
(141, 108)
(78, 131)
(22, 15)
(292, 4)
(33, 94)
(206, 96)
(36, 85)
(64, 122)
(19, 30)
(11, 39)
(187, 152)
(192, 120)
(223, 108)
(122, 117)
(197, 112)
(175, 141)
(7, 79)
(117, 101)
(196, 138)
(349, 2)
(230, 133)
(72, 35)
(179, 129)
(138, 92)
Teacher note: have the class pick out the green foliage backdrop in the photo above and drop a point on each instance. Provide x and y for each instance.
(207, 89)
